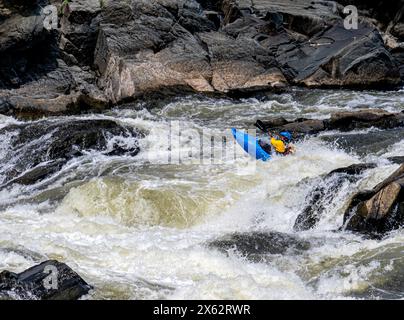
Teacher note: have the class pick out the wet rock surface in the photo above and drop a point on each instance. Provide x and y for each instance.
(379, 210)
(38, 76)
(326, 191)
(341, 121)
(367, 142)
(35, 284)
(256, 245)
(112, 51)
(38, 149)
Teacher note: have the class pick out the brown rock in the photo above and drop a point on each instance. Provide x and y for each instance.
(379, 210)
(381, 204)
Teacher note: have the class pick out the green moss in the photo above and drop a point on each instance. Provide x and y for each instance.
(64, 8)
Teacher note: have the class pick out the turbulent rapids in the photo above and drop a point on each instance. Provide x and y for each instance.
(109, 205)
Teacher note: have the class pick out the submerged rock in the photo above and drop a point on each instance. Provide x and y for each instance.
(321, 197)
(38, 149)
(379, 210)
(37, 283)
(257, 245)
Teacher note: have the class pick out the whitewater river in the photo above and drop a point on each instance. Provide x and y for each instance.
(137, 227)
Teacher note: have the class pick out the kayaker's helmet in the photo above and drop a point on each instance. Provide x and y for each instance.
(286, 135)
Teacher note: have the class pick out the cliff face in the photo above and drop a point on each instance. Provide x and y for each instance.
(106, 52)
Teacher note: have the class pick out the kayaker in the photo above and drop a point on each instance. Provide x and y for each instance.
(281, 143)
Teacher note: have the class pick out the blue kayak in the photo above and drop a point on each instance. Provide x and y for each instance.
(250, 145)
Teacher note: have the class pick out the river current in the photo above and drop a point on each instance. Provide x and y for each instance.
(137, 227)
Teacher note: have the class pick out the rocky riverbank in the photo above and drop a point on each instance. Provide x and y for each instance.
(108, 52)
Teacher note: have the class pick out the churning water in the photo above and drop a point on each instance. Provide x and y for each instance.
(137, 227)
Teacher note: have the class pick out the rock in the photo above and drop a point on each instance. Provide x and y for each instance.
(366, 143)
(384, 12)
(39, 149)
(210, 4)
(354, 169)
(79, 30)
(257, 244)
(297, 127)
(305, 126)
(398, 31)
(109, 52)
(26, 48)
(240, 64)
(396, 160)
(33, 283)
(342, 121)
(377, 118)
(34, 80)
(311, 46)
(398, 54)
(321, 197)
(355, 58)
(64, 90)
(141, 49)
(189, 56)
(272, 122)
(379, 210)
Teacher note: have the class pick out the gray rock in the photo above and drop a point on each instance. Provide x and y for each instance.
(257, 245)
(31, 284)
(363, 144)
(377, 118)
(114, 51)
(397, 160)
(342, 121)
(39, 149)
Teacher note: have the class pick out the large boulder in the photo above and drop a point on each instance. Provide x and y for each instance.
(108, 52)
(240, 64)
(39, 149)
(340, 57)
(26, 47)
(322, 196)
(311, 45)
(79, 31)
(143, 47)
(50, 280)
(39, 74)
(378, 210)
(157, 46)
